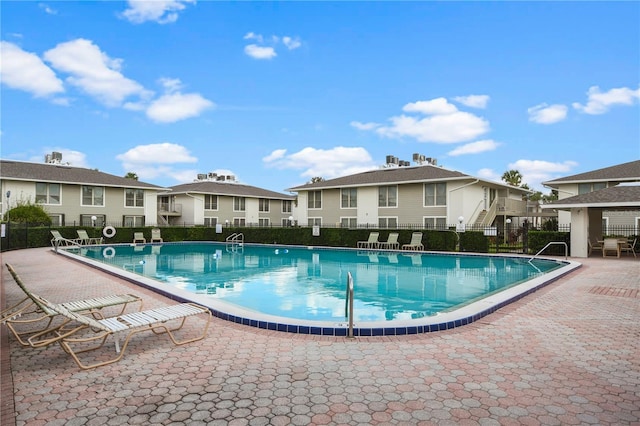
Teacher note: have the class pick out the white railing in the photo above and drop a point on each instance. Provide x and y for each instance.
(348, 304)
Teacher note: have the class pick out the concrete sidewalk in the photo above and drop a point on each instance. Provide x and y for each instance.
(565, 355)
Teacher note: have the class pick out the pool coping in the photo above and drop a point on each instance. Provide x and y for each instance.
(464, 315)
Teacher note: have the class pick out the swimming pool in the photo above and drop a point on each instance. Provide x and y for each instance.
(302, 289)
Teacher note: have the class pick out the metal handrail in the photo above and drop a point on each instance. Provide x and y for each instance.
(566, 249)
(236, 237)
(348, 304)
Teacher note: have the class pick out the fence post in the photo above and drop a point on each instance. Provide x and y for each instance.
(525, 237)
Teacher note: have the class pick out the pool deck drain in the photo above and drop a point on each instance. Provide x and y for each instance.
(563, 355)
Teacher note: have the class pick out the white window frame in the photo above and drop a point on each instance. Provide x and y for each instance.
(435, 225)
(386, 219)
(136, 199)
(239, 221)
(209, 200)
(317, 201)
(210, 221)
(239, 204)
(437, 196)
(286, 203)
(386, 196)
(82, 187)
(264, 222)
(351, 222)
(350, 195)
(262, 203)
(133, 221)
(48, 194)
(314, 221)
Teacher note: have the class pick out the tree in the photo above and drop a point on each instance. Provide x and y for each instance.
(316, 179)
(131, 175)
(512, 177)
(32, 214)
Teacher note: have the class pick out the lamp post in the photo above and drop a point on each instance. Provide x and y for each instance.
(460, 228)
(290, 220)
(93, 221)
(8, 195)
(506, 225)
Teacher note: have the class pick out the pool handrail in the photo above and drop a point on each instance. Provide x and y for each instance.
(566, 249)
(348, 304)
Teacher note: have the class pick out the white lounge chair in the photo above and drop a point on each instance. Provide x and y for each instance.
(415, 243)
(80, 330)
(40, 320)
(138, 237)
(155, 235)
(372, 242)
(391, 243)
(86, 239)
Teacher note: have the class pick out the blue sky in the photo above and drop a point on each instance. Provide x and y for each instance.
(278, 93)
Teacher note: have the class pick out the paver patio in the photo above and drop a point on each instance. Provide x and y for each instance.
(567, 354)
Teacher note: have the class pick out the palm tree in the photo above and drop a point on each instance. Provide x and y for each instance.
(512, 177)
(131, 175)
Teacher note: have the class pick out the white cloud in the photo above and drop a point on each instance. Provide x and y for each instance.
(47, 9)
(275, 155)
(534, 172)
(547, 114)
(93, 71)
(25, 71)
(291, 43)
(260, 52)
(433, 107)
(599, 102)
(489, 174)
(150, 161)
(473, 101)
(475, 148)
(449, 128)
(325, 163)
(364, 126)
(160, 11)
(265, 47)
(444, 123)
(174, 107)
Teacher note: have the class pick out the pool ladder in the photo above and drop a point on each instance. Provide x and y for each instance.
(348, 304)
(235, 242)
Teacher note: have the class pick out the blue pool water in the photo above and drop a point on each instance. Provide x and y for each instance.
(307, 283)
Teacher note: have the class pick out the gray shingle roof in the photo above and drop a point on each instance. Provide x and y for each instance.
(626, 172)
(231, 189)
(618, 196)
(43, 172)
(388, 175)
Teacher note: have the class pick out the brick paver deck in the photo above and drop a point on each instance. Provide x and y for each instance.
(568, 354)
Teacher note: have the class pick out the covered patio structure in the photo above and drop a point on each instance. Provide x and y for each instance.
(586, 212)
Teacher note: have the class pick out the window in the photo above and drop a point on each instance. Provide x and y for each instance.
(388, 222)
(314, 221)
(133, 221)
(47, 193)
(286, 206)
(263, 205)
(315, 200)
(239, 221)
(85, 220)
(210, 221)
(435, 194)
(211, 202)
(435, 223)
(388, 196)
(264, 222)
(286, 222)
(349, 197)
(238, 204)
(92, 196)
(57, 219)
(134, 197)
(585, 188)
(349, 222)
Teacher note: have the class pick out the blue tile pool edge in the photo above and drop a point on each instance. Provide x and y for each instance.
(456, 318)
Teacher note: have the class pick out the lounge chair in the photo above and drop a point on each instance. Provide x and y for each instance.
(86, 239)
(138, 237)
(391, 243)
(610, 245)
(59, 241)
(155, 235)
(39, 319)
(84, 331)
(594, 246)
(629, 247)
(372, 242)
(415, 243)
